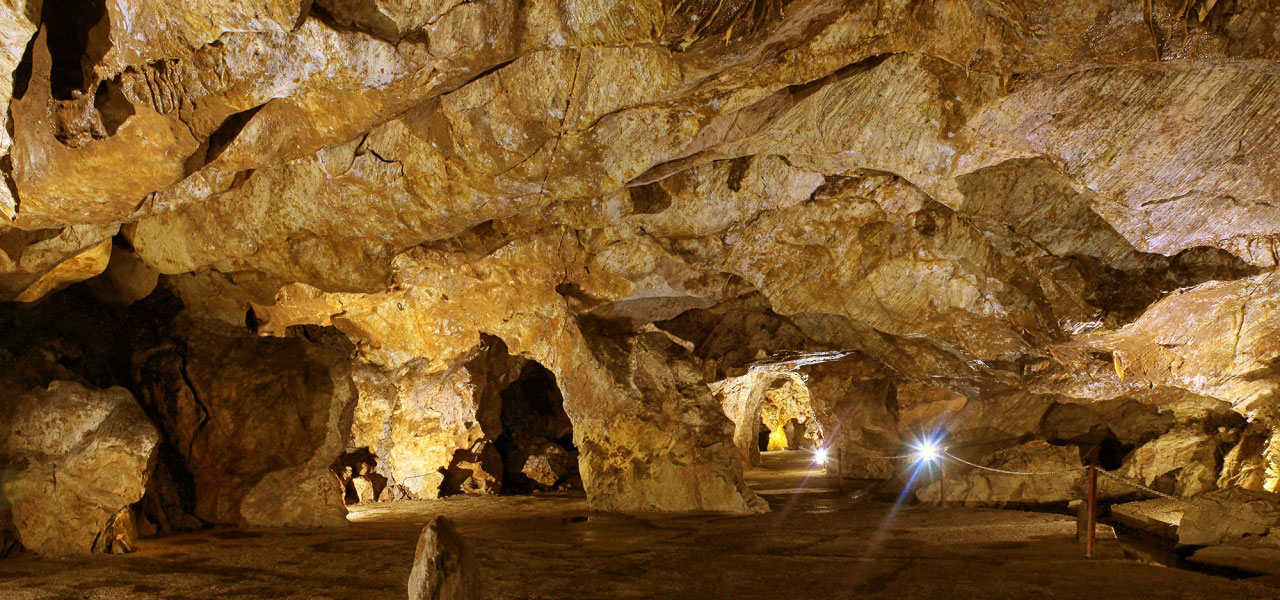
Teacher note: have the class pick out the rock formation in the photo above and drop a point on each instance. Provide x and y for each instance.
(443, 567)
(300, 232)
(74, 459)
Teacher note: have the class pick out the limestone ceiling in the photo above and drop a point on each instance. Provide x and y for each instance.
(988, 194)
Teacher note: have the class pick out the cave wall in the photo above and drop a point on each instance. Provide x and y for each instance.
(313, 214)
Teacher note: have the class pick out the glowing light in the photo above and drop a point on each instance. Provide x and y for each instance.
(820, 456)
(928, 450)
(777, 440)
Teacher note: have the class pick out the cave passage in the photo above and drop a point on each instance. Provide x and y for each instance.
(591, 299)
(535, 451)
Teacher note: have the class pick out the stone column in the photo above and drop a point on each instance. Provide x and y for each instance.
(650, 434)
(859, 416)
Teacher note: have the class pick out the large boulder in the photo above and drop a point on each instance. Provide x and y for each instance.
(1228, 515)
(1183, 461)
(443, 567)
(74, 458)
(257, 421)
(548, 463)
(651, 435)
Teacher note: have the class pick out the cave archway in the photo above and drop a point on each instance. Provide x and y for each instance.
(527, 443)
(536, 444)
(771, 410)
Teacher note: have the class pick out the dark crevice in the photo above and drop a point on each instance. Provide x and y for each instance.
(74, 45)
(226, 133)
(22, 74)
(737, 171)
(195, 397)
(649, 199)
(480, 75)
(534, 420)
(801, 91)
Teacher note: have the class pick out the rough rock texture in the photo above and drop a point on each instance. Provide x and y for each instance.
(1209, 519)
(858, 411)
(666, 445)
(73, 459)
(1011, 221)
(254, 462)
(978, 487)
(415, 421)
(443, 567)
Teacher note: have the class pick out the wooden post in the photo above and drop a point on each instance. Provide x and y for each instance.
(1092, 525)
(942, 481)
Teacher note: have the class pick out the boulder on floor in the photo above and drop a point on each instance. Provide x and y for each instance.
(548, 463)
(443, 567)
(302, 496)
(1183, 462)
(364, 489)
(474, 471)
(258, 422)
(981, 487)
(1228, 515)
(74, 458)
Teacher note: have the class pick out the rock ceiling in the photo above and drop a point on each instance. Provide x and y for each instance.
(1003, 198)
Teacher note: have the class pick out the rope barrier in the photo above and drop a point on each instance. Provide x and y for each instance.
(1007, 472)
(1092, 485)
(900, 456)
(1181, 500)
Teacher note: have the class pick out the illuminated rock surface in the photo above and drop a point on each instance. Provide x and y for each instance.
(443, 567)
(355, 252)
(73, 458)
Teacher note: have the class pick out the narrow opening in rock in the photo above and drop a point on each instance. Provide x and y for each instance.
(72, 39)
(536, 444)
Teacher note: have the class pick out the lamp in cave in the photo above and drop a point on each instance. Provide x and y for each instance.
(928, 451)
(820, 456)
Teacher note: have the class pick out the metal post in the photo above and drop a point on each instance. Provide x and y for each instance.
(942, 481)
(1092, 525)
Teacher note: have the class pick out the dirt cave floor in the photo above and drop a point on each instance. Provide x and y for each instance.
(815, 544)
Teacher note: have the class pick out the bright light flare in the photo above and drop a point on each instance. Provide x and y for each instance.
(928, 451)
(820, 456)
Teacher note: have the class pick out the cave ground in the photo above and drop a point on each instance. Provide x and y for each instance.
(814, 544)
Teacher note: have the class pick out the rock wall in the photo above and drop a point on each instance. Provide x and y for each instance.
(664, 444)
(268, 418)
(1002, 213)
(860, 414)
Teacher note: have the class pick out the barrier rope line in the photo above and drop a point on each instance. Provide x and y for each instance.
(1007, 472)
(1181, 500)
(888, 457)
(1124, 480)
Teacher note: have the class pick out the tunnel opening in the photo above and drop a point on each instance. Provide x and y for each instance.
(536, 444)
(787, 412)
(525, 444)
(771, 411)
(74, 44)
